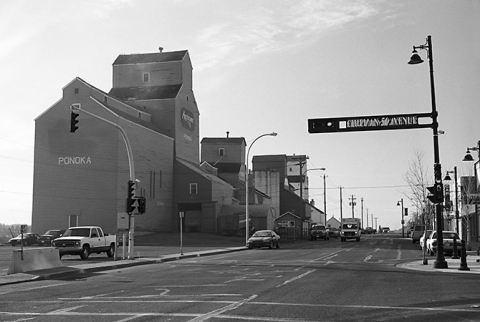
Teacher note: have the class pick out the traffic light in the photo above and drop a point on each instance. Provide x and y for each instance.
(435, 193)
(431, 194)
(73, 122)
(130, 207)
(142, 205)
(439, 192)
(448, 202)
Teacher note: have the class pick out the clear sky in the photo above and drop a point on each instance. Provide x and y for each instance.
(261, 66)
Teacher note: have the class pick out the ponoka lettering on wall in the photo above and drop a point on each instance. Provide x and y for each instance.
(74, 160)
(188, 119)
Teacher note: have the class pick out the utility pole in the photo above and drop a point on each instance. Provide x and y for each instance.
(325, 198)
(353, 204)
(361, 224)
(341, 207)
(376, 227)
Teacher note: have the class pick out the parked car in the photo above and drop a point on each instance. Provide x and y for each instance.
(422, 239)
(28, 239)
(318, 232)
(385, 229)
(418, 231)
(448, 237)
(333, 232)
(264, 238)
(370, 230)
(409, 231)
(47, 238)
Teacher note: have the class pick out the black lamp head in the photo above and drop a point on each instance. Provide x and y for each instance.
(468, 157)
(415, 58)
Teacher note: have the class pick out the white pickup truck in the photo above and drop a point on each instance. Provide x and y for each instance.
(85, 240)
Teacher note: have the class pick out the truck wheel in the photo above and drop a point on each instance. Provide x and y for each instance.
(278, 244)
(111, 250)
(85, 252)
(271, 245)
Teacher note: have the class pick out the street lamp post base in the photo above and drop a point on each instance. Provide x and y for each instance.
(440, 264)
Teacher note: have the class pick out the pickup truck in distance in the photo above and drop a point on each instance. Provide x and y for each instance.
(85, 240)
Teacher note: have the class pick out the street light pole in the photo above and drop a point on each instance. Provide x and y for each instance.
(325, 198)
(247, 230)
(447, 177)
(415, 59)
(398, 204)
(468, 157)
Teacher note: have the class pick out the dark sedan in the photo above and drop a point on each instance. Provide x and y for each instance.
(264, 238)
(28, 239)
(47, 238)
(333, 232)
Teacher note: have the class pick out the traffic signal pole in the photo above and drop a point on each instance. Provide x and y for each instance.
(440, 259)
(131, 229)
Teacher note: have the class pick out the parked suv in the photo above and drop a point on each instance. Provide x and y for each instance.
(417, 232)
(318, 232)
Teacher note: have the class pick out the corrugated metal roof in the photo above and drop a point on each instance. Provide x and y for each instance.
(197, 169)
(150, 58)
(228, 167)
(146, 93)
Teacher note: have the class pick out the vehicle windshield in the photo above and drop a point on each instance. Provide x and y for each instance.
(82, 232)
(318, 228)
(51, 232)
(450, 236)
(349, 226)
(261, 234)
(446, 235)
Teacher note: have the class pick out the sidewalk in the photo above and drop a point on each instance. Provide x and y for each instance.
(453, 265)
(144, 255)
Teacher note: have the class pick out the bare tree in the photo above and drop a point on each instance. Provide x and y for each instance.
(418, 180)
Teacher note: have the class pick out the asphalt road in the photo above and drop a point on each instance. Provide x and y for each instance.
(308, 281)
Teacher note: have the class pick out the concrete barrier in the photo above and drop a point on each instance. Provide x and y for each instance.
(34, 259)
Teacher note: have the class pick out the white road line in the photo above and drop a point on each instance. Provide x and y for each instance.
(64, 310)
(34, 288)
(217, 312)
(369, 307)
(126, 316)
(296, 278)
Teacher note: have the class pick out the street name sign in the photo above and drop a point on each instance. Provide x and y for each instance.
(369, 123)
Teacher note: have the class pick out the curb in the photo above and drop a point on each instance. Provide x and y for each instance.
(70, 271)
